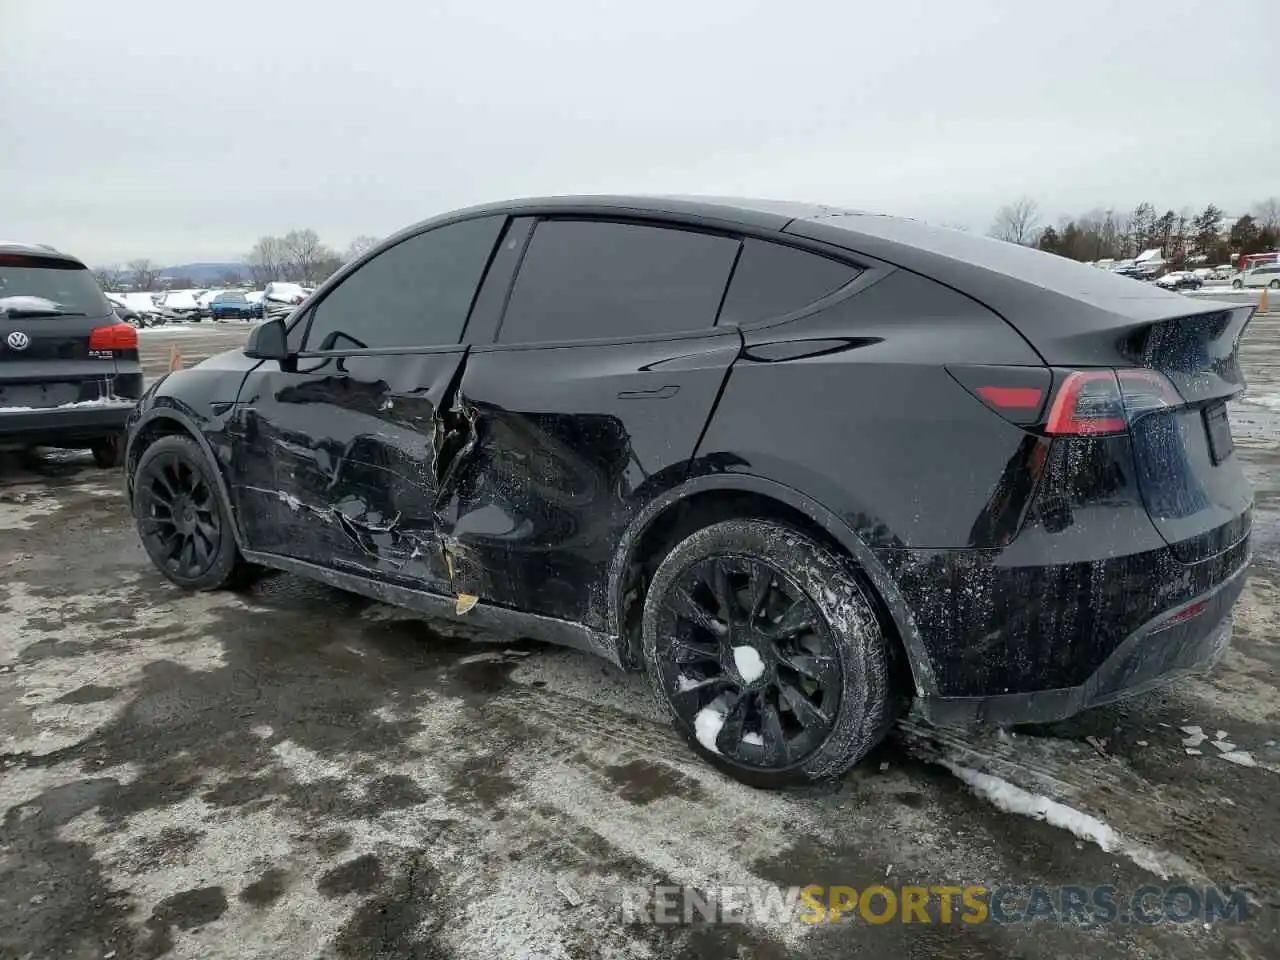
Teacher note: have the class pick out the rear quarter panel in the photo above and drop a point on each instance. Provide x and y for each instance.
(853, 406)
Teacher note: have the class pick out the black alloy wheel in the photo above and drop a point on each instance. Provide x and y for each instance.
(181, 519)
(764, 647)
(751, 662)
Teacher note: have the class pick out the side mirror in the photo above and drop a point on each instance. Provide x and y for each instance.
(268, 341)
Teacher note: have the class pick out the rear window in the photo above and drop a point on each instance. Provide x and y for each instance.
(47, 285)
(772, 279)
(586, 280)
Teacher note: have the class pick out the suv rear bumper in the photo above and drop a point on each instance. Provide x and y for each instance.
(1161, 651)
(62, 424)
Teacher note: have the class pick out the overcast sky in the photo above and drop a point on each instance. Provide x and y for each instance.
(183, 131)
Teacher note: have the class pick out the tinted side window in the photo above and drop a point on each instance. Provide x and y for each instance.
(415, 294)
(584, 280)
(771, 280)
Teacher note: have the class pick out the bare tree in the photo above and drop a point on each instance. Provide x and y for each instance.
(360, 246)
(1267, 213)
(144, 273)
(109, 278)
(1017, 222)
(304, 254)
(266, 261)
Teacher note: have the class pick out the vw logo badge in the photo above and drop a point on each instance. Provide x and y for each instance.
(18, 340)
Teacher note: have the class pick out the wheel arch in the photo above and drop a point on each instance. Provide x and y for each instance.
(167, 421)
(708, 499)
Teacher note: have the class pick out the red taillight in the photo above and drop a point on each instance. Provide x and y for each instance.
(1094, 402)
(118, 336)
(1015, 393)
(1012, 398)
(1088, 402)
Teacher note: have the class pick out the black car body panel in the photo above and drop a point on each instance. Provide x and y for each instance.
(563, 463)
(1029, 572)
(65, 376)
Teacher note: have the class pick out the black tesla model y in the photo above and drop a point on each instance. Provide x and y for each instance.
(802, 466)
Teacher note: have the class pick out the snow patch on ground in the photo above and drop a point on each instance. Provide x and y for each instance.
(20, 510)
(1005, 796)
(1268, 401)
(1013, 799)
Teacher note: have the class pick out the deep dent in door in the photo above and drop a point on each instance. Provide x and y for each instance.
(377, 467)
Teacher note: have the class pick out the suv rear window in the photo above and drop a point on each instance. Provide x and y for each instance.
(772, 279)
(33, 285)
(586, 279)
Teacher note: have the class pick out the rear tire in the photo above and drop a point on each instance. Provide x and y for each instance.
(108, 452)
(181, 518)
(766, 651)
(1274, 284)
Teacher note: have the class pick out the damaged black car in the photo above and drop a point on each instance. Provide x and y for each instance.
(804, 467)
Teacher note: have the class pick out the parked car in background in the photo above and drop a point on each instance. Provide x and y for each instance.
(143, 305)
(1224, 272)
(232, 304)
(1180, 280)
(801, 466)
(279, 298)
(69, 368)
(181, 304)
(127, 315)
(205, 300)
(1267, 275)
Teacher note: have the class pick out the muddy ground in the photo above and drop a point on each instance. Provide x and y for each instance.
(296, 772)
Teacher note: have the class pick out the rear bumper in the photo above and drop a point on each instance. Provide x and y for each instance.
(62, 424)
(1161, 651)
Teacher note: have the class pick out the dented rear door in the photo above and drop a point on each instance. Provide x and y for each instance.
(607, 368)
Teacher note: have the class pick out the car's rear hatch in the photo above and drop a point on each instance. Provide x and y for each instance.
(49, 354)
(1081, 318)
(1191, 481)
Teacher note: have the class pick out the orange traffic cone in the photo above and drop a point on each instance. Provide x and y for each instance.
(175, 359)
(1262, 301)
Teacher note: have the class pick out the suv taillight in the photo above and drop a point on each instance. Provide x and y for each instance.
(1094, 402)
(117, 336)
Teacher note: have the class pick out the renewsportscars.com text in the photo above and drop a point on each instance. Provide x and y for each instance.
(969, 904)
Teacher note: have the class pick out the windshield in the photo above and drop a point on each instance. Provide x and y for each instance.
(64, 287)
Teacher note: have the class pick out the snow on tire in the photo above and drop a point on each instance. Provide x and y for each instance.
(740, 593)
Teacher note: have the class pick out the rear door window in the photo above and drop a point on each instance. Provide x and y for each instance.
(771, 280)
(35, 286)
(415, 294)
(588, 279)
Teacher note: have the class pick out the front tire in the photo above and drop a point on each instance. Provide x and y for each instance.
(108, 452)
(1236, 284)
(1274, 284)
(766, 651)
(181, 519)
